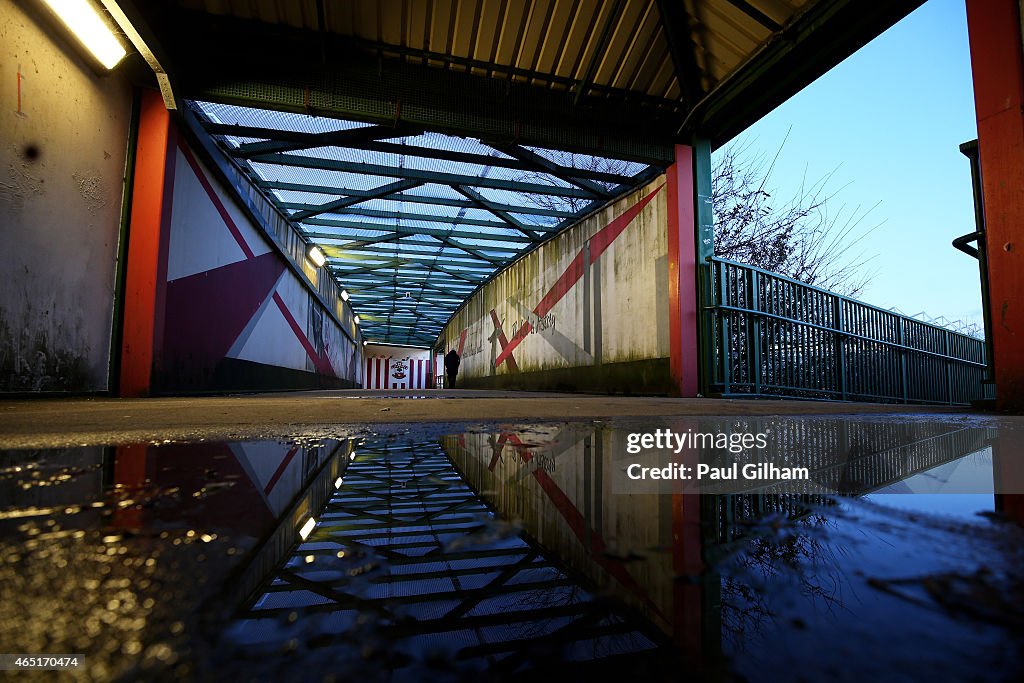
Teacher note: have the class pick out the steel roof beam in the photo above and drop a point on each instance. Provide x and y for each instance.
(499, 261)
(383, 227)
(371, 245)
(370, 141)
(599, 51)
(675, 20)
(547, 166)
(423, 217)
(402, 197)
(365, 282)
(460, 296)
(482, 203)
(340, 271)
(756, 14)
(296, 141)
(494, 260)
(471, 261)
(300, 161)
(405, 231)
(338, 205)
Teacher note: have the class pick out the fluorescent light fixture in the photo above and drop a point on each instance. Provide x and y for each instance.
(316, 256)
(307, 528)
(83, 20)
(338, 482)
(356, 319)
(344, 295)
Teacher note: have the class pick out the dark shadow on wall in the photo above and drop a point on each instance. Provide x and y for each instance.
(233, 374)
(641, 377)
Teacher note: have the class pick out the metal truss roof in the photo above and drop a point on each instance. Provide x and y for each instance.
(407, 558)
(413, 222)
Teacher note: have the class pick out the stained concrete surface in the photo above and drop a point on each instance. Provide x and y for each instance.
(52, 423)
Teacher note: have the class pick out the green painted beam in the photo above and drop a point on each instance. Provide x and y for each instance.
(300, 161)
(384, 229)
(545, 165)
(340, 205)
(678, 29)
(377, 255)
(422, 217)
(503, 255)
(295, 141)
(405, 230)
(369, 139)
(404, 197)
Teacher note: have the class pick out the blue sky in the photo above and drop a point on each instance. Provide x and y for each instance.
(889, 121)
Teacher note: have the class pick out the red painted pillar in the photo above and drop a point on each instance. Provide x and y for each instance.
(130, 477)
(685, 251)
(998, 64)
(688, 567)
(146, 273)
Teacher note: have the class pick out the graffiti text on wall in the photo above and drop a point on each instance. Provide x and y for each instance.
(536, 324)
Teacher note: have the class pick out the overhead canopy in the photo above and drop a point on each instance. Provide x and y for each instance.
(346, 112)
(620, 78)
(412, 222)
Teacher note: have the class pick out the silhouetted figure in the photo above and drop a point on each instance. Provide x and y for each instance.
(451, 367)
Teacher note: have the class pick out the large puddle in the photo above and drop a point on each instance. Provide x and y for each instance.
(499, 550)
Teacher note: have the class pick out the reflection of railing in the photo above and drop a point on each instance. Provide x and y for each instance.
(774, 336)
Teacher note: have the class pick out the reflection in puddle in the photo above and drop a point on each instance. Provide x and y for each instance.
(499, 551)
(408, 571)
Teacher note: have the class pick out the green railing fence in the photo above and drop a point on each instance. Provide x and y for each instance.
(770, 335)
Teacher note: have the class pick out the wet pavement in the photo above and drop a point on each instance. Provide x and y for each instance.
(492, 551)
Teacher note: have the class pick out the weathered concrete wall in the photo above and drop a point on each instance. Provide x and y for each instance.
(236, 317)
(63, 136)
(587, 311)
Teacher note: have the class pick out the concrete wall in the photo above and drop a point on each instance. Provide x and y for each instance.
(587, 311)
(63, 139)
(236, 317)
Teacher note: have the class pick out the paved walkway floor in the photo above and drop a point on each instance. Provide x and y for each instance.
(57, 422)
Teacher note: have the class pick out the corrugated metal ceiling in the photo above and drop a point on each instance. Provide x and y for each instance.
(612, 45)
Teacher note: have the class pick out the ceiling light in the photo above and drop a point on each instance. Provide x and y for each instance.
(85, 22)
(316, 256)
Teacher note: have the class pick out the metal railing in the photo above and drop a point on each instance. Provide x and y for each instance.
(770, 335)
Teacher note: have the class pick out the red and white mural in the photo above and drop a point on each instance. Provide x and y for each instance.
(594, 295)
(393, 367)
(235, 315)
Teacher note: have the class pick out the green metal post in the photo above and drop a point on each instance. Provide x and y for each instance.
(903, 359)
(949, 368)
(754, 330)
(840, 318)
(705, 249)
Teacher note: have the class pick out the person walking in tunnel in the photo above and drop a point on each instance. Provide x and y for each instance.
(451, 367)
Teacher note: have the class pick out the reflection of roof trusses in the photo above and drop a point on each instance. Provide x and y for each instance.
(413, 222)
(407, 546)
